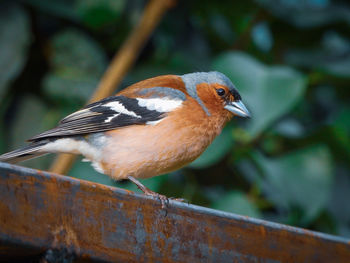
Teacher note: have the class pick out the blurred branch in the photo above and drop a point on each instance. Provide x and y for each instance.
(121, 63)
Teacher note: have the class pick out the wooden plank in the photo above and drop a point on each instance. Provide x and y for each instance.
(41, 211)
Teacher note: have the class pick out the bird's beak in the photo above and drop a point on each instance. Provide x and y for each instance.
(238, 108)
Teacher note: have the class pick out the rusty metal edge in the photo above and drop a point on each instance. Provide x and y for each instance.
(183, 206)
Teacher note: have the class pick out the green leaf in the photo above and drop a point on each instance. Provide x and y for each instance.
(59, 8)
(76, 69)
(27, 123)
(262, 36)
(340, 131)
(340, 192)
(301, 179)
(216, 151)
(330, 57)
(32, 110)
(269, 92)
(237, 202)
(342, 120)
(289, 128)
(98, 13)
(15, 39)
(66, 87)
(308, 14)
(2, 139)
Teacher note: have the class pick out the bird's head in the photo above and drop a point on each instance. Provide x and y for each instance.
(215, 90)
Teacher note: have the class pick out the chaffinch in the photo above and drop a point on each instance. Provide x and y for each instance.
(150, 128)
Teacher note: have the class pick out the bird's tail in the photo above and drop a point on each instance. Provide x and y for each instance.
(28, 152)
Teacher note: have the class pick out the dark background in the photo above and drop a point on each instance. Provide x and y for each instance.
(290, 60)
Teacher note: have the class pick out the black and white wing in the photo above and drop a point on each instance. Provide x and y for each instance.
(111, 113)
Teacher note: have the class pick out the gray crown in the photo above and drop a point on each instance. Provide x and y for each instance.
(191, 81)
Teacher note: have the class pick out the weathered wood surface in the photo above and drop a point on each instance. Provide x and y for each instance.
(86, 221)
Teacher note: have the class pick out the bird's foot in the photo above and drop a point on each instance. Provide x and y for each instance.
(164, 200)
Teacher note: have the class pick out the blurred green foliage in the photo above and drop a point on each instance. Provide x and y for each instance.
(289, 163)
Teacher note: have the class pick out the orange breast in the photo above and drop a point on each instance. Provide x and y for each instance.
(144, 151)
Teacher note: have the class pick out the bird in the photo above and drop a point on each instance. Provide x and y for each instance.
(150, 128)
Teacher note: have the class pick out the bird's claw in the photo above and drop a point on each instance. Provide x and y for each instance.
(178, 199)
(164, 200)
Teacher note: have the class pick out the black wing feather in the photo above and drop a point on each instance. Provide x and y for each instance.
(93, 118)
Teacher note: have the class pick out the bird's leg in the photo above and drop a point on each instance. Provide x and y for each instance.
(163, 199)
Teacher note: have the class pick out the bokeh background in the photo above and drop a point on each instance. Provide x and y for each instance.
(290, 60)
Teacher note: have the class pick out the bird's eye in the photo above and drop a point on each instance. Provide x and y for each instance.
(220, 92)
